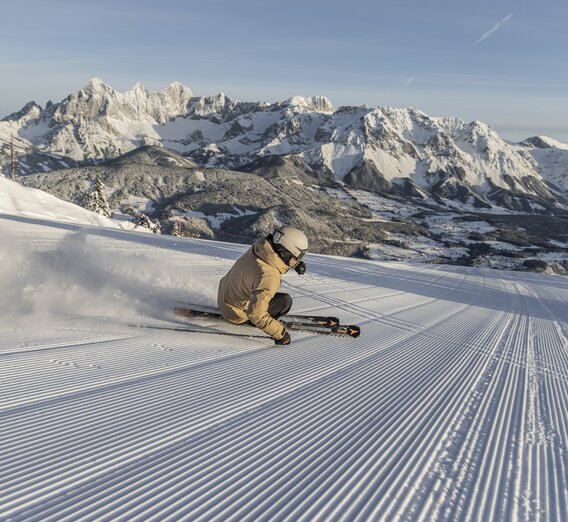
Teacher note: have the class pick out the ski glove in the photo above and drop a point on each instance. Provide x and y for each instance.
(300, 268)
(285, 340)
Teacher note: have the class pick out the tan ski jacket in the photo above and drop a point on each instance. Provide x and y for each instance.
(248, 287)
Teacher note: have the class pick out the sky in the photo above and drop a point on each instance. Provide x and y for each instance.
(504, 63)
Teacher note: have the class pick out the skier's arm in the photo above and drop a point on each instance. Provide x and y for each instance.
(257, 311)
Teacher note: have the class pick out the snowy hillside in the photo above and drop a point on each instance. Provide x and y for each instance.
(452, 405)
(384, 149)
(27, 202)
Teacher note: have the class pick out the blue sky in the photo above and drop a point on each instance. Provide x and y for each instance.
(504, 63)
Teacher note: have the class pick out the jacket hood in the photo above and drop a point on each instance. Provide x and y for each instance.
(263, 250)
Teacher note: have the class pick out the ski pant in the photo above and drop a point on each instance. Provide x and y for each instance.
(279, 305)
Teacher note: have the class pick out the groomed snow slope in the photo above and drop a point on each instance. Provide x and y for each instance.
(452, 405)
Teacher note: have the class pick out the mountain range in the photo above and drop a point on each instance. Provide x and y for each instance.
(233, 169)
(382, 149)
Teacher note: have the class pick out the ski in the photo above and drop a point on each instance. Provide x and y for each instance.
(194, 312)
(214, 314)
(340, 330)
(316, 319)
(307, 323)
(196, 330)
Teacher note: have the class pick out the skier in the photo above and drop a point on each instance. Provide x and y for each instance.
(248, 293)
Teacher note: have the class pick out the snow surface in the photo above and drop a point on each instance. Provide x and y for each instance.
(24, 201)
(452, 405)
(19, 201)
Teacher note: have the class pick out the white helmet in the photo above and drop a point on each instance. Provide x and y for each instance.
(292, 239)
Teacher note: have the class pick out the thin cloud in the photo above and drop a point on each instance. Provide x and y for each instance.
(407, 83)
(487, 34)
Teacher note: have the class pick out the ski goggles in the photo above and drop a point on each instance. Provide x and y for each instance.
(287, 256)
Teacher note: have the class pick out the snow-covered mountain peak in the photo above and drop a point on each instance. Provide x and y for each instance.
(178, 89)
(97, 86)
(95, 82)
(303, 104)
(209, 105)
(480, 127)
(97, 100)
(138, 88)
(544, 142)
(410, 124)
(481, 136)
(31, 111)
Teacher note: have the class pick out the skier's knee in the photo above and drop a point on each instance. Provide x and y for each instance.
(287, 303)
(279, 305)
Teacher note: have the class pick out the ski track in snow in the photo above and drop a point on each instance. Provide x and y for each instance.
(452, 405)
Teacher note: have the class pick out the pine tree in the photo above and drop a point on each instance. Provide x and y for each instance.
(12, 160)
(97, 199)
(145, 221)
(177, 230)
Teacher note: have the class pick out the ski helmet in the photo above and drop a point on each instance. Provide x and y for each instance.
(288, 242)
